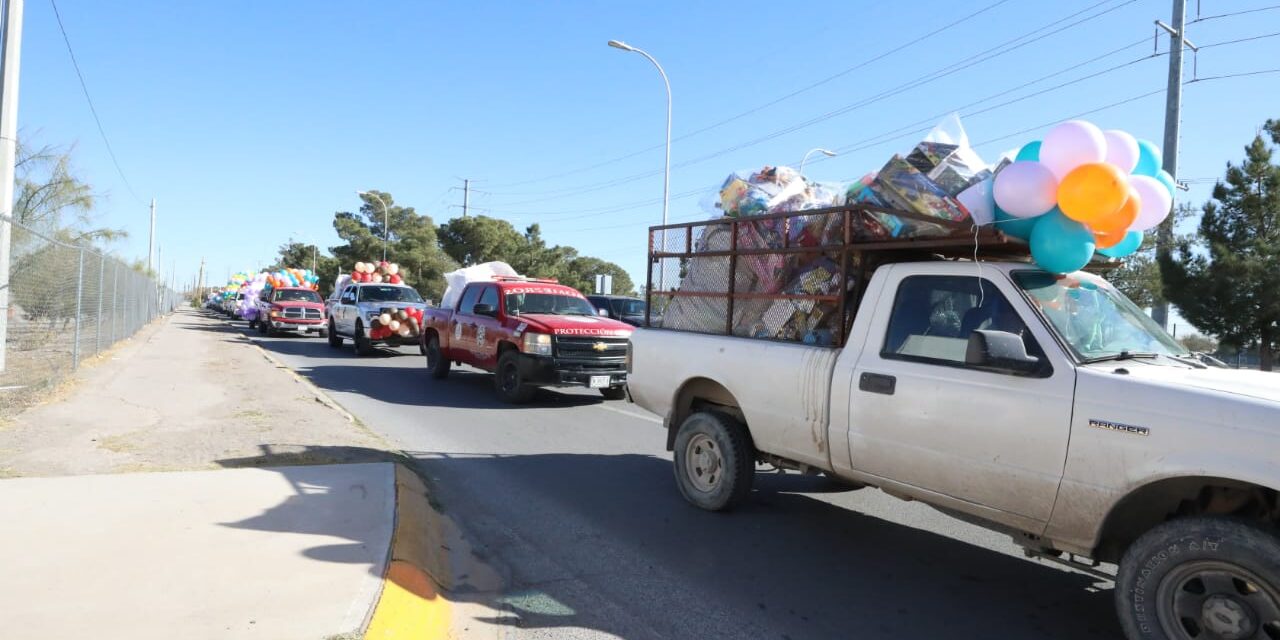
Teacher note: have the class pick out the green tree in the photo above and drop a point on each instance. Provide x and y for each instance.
(1227, 279)
(537, 260)
(582, 272)
(479, 239)
(412, 243)
(1198, 343)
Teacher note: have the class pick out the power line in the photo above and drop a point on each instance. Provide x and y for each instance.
(1234, 75)
(773, 102)
(85, 88)
(1236, 13)
(974, 60)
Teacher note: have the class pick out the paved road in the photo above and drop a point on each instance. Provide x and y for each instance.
(572, 500)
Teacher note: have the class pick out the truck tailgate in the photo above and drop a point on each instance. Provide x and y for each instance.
(783, 389)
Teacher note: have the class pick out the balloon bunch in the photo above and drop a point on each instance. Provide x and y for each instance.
(405, 323)
(1082, 190)
(384, 271)
(293, 278)
(248, 307)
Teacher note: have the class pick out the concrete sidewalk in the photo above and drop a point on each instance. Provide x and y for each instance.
(202, 547)
(281, 553)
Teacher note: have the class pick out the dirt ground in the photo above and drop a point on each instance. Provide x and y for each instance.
(188, 392)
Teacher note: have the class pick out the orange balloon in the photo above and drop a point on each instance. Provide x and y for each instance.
(1107, 239)
(1120, 221)
(1092, 192)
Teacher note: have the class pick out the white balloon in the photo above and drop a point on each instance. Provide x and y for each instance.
(1122, 149)
(1071, 144)
(394, 268)
(384, 319)
(395, 325)
(1026, 189)
(359, 268)
(1156, 202)
(980, 201)
(377, 277)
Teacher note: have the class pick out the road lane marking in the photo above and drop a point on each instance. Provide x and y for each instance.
(638, 416)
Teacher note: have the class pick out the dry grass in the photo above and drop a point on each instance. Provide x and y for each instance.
(123, 443)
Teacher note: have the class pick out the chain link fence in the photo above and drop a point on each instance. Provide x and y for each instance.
(67, 303)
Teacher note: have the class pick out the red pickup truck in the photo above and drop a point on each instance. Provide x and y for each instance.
(291, 309)
(529, 333)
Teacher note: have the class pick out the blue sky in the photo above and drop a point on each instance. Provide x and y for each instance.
(252, 121)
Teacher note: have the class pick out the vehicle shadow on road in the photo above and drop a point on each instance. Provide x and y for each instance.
(786, 565)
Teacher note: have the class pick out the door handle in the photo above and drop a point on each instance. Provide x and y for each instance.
(877, 383)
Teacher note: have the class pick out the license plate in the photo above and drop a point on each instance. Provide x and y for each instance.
(598, 382)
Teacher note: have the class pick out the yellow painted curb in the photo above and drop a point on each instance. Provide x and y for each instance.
(411, 604)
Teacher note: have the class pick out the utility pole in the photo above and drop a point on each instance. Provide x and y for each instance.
(466, 196)
(1172, 123)
(151, 243)
(200, 281)
(9, 65)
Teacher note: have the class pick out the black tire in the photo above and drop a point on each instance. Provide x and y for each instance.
(614, 393)
(1201, 577)
(253, 324)
(508, 382)
(323, 333)
(335, 340)
(438, 366)
(363, 346)
(714, 461)
(265, 329)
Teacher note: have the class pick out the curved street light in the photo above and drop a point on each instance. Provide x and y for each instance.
(386, 220)
(826, 152)
(666, 177)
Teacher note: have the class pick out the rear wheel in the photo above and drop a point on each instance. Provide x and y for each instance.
(1202, 578)
(614, 393)
(335, 340)
(253, 324)
(264, 328)
(436, 364)
(363, 346)
(509, 382)
(714, 462)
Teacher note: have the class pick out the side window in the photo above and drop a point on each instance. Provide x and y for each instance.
(933, 317)
(469, 298)
(489, 296)
(349, 295)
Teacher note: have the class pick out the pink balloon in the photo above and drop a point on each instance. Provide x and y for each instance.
(1122, 149)
(1156, 202)
(1026, 189)
(1071, 144)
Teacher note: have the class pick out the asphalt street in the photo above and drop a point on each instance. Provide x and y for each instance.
(572, 500)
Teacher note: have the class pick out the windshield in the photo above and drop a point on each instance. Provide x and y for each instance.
(388, 293)
(518, 303)
(1093, 318)
(628, 307)
(297, 295)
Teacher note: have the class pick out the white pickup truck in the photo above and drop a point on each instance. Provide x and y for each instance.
(1050, 408)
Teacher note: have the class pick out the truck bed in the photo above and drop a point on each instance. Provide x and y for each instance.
(785, 397)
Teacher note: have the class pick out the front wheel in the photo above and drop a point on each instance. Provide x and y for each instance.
(335, 340)
(437, 365)
(614, 393)
(714, 462)
(363, 345)
(265, 329)
(508, 381)
(1199, 578)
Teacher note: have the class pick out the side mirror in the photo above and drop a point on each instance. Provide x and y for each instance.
(999, 351)
(484, 310)
(602, 312)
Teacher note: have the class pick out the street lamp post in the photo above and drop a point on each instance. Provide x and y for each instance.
(666, 173)
(386, 221)
(825, 152)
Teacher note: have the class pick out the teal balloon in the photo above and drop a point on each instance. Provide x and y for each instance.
(1016, 227)
(1060, 244)
(1029, 151)
(1167, 180)
(1148, 159)
(1132, 240)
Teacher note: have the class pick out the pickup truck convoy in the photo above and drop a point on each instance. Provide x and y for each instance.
(1048, 407)
(529, 333)
(360, 304)
(290, 309)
